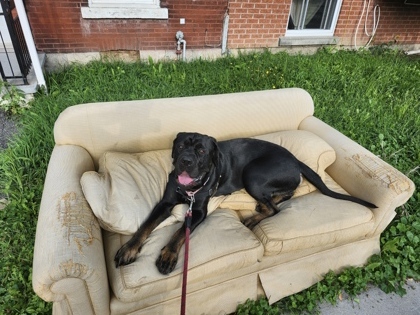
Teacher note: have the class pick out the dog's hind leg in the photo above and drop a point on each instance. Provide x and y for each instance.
(270, 180)
(266, 207)
(278, 197)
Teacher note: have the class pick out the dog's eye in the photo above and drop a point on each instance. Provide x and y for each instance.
(181, 146)
(201, 151)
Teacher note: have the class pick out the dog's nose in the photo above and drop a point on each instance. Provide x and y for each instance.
(187, 161)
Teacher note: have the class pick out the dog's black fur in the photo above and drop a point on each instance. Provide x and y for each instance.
(268, 172)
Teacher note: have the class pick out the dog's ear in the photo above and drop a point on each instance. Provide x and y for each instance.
(216, 152)
(176, 140)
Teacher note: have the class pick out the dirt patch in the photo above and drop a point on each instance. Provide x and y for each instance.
(7, 129)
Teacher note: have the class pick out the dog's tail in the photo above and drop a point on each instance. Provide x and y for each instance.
(315, 180)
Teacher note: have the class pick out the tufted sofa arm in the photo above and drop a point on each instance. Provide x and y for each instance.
(69, 265)
(363, 174)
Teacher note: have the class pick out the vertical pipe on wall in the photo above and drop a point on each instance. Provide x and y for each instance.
(225, 33)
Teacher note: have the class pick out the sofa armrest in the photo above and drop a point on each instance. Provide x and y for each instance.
(363, 174)
(68, 251)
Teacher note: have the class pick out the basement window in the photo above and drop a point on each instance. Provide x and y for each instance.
(125, 9)
(312, 19)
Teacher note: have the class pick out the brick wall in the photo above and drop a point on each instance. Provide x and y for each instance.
(59, 28)
(256, 23)
(347, 22)
(398, 23)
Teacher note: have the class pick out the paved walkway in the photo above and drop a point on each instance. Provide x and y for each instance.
(376, 302)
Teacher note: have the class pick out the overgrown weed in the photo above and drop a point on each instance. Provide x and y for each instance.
(12, 100)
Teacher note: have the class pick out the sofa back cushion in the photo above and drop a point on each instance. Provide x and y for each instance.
(128, 186)
(148, 125)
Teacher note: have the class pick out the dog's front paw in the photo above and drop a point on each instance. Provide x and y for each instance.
(126, 255)
(167, 261)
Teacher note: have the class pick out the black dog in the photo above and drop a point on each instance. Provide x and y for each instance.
(206, 168)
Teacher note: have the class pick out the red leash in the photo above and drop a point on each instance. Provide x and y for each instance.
(188, 217)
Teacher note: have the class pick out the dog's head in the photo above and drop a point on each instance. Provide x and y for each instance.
(194, 156)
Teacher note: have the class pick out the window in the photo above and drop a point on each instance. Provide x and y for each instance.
(313, 17)
(125, 9)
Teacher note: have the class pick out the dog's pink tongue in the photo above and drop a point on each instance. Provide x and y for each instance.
(184, 179)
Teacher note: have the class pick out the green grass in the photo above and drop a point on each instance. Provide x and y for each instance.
(370, 96)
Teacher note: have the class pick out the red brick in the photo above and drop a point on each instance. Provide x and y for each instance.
(58, 27)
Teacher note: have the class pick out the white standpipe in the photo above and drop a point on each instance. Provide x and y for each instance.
(180, 37)
(30, 43)
(225, 33)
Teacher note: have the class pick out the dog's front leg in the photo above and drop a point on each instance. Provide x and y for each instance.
(128, 252)
(169, 254)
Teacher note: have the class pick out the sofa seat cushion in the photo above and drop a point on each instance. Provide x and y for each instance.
(313, 220)
(127, 186)
(221, 244)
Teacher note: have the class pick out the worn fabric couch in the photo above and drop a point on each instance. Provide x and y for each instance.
(109, 167)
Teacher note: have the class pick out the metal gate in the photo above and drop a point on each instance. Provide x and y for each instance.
(17, 63)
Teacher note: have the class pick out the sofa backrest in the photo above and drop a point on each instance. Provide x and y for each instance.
(145, 125)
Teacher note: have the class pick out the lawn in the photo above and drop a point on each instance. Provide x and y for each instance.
(371, 96)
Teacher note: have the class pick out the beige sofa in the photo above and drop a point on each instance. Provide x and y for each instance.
(78, 236)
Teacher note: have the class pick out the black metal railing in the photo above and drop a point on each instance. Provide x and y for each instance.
(20, 54)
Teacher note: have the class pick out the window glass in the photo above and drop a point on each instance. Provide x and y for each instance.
(313, 15)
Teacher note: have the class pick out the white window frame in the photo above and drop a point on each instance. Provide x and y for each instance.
(317, 32)
(125, 9)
